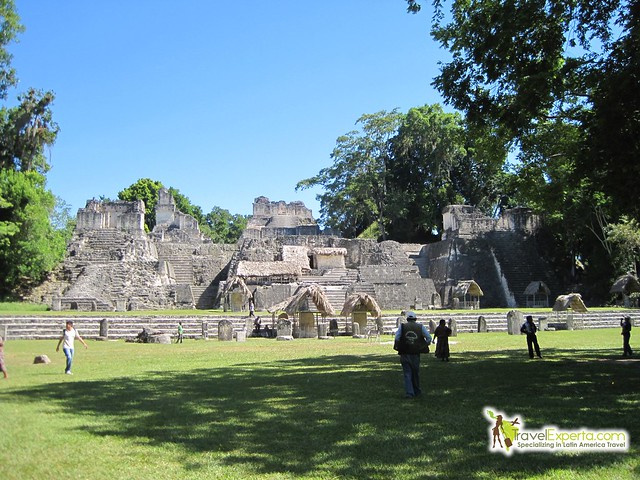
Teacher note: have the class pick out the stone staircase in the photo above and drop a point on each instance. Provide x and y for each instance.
(414, 252)
(204, 296)
(520, 264)
(182, 267)
(335, 282)
(104, 245)
(50, 327)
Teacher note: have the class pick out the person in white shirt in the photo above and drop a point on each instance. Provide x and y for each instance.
(69, 334)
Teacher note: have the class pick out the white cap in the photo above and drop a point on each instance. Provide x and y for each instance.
(411, 315)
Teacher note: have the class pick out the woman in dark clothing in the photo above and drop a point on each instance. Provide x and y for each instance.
(442, 333)
(625, 323)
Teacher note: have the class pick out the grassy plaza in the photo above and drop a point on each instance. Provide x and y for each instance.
(312, 409)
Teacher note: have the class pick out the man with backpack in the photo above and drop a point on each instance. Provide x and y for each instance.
(529, 328)
(412, 339)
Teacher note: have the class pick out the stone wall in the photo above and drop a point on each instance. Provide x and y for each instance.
(118, 215)
(465, 221)
(168, 217)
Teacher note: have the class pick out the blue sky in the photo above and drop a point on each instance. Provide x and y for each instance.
(225, 101)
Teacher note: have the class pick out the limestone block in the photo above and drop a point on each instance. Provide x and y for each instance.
(482, 324)
(225, 331)
(163, 338)
(515, 319)
(41, 359)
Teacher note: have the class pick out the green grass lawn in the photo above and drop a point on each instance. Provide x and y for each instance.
(311, 409)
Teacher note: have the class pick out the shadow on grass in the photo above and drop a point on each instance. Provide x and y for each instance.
(344, 416)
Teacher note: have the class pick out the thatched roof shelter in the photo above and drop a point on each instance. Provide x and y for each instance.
(537, 294)
(466, 294)
(467, 287)
(310, 294)
(361, 301)
(280, 306)
(536, 288)
(571, 301)
(234, 282)
(626, 285)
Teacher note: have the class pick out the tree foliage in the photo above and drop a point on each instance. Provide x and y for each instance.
(557, 81)
(146, 190)
(356, 183)
(30, 245)
(625, 239)
(225, 227)
(396, 174)
(428, 149)
(219, 224)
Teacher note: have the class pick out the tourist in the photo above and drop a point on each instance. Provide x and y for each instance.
(180, 332)
(412, 338)
(69, 334)
(400, 320)
(442, 333)
(2, 367)
(252, 308)
(625, 323)
(257, 325)
(529, 328)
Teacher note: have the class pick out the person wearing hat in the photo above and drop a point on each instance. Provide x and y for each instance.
(530, 329)
(69, 334)
(412, 338)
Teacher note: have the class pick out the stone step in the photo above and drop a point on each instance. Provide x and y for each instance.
(126, 327)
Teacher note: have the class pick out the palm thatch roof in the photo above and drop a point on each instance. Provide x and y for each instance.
(361, 301)
(571, 300)
(626, 284)
(267, 269)
(467, 287)
(233, 282)
(280, 306)
(537, 287)
(314, 293)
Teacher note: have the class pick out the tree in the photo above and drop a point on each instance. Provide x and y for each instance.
(225, 227)
(426, 147)
(437, 162)
(625, 238)
(356, 183)
(29, 246)
(26, 130)
(10, 27)
(219, 225)
(146, 190)
(557, 81)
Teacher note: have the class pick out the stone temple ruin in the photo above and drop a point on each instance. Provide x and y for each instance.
(113, 264)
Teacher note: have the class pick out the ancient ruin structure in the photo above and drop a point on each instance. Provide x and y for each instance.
(113, 264)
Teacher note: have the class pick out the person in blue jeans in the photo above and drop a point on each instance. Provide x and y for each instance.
(69, 334)
(411, 339)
